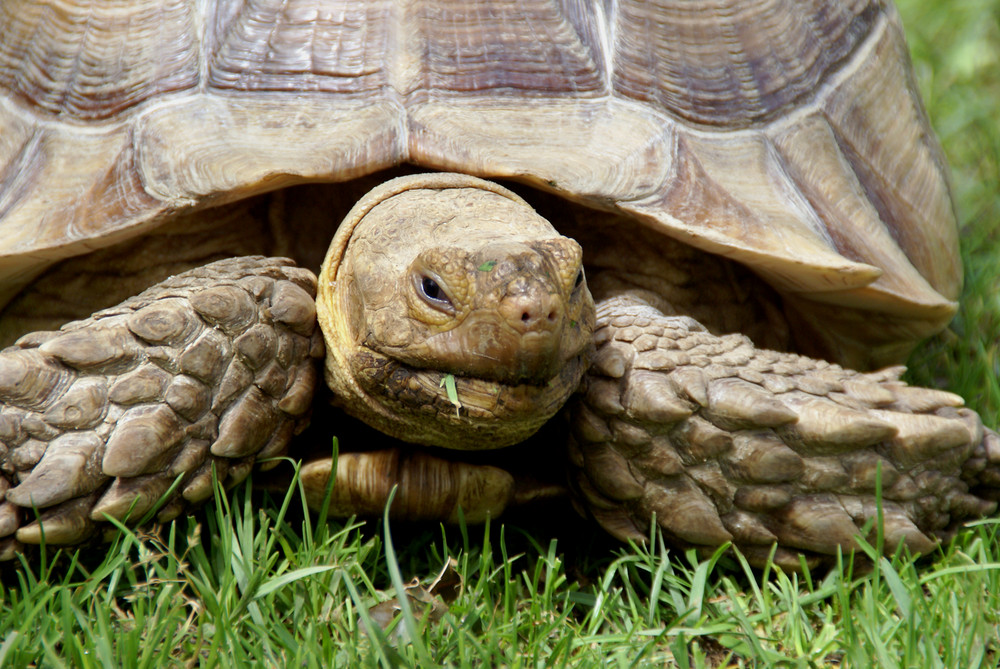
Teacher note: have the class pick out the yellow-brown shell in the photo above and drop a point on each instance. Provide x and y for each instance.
(786, 134)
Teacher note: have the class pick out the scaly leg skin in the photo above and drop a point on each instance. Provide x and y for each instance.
(726, 443)
(213, 368)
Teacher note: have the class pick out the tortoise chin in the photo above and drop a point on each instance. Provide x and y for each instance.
(434, 408)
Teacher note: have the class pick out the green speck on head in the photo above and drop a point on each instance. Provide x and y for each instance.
(448, 383)
(485, 267)
(572, 324)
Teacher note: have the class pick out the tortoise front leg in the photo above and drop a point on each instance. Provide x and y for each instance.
(722, 442)
(211, 369)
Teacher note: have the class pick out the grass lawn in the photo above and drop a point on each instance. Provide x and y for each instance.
(263, 584)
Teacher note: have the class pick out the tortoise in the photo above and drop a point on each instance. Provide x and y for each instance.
(759, 209)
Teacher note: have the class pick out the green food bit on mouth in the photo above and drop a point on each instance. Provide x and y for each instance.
(572, 324)
(485, 267)
(448, 383)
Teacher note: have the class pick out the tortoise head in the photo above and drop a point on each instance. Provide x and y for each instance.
(454, 315)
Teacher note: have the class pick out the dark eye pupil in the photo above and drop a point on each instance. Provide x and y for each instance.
(431, 289)
(579, 278)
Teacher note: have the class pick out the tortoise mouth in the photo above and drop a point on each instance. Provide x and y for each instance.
(436, 408)
(483, 347)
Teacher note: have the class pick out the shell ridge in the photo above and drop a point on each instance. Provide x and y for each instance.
(605, 21)
(15, 175)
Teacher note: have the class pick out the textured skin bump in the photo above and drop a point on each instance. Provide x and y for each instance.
(213, 367)
(725, 442)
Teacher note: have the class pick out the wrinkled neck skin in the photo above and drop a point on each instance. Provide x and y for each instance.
(454, 315)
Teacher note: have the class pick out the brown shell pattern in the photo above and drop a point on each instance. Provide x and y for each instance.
(785, 134)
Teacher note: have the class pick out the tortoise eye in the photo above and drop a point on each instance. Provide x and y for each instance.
(431, 289)
(432, 293)
(579, 279)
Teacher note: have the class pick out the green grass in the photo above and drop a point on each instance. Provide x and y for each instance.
(265, 585)
(956, 52)
(261, 583)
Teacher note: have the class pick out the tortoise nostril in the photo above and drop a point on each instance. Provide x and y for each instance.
(530, 307)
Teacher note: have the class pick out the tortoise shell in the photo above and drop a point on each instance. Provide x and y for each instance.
(785, 135)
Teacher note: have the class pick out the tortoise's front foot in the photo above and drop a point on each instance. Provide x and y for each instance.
(212, 369)
(722, 442)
